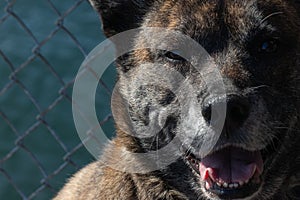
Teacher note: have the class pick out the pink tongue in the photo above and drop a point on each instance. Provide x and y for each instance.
(231, 165)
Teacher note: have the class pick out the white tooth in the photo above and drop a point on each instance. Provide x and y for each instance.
(207, 186)
(231, 185)
(241, 183)
(219, 184)
(247, 181)
(210, 172)
(236, 185)
(225, 185)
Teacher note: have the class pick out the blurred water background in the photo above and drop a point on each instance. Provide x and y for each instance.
(42, 44)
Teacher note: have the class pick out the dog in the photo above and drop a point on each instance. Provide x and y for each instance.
(255, 47)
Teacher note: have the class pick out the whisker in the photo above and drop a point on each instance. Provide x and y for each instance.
(254, 89)
(271, 15)
(287, 128)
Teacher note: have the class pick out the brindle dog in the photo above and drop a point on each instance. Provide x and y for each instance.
(256, 47)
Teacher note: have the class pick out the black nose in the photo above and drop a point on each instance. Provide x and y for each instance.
(237, 110)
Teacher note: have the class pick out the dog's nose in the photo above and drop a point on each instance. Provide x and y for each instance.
(237, 111)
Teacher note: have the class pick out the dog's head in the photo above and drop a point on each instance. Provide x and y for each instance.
(255, 47)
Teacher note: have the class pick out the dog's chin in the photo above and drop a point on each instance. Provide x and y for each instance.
(231, 172)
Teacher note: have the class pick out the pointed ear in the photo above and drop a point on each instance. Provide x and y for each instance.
(120, 15)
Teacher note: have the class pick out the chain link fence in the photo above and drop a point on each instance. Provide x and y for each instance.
(42, 44)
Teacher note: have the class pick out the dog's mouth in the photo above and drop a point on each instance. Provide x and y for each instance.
(229, 173)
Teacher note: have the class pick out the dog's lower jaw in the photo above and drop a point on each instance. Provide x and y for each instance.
(209, 196)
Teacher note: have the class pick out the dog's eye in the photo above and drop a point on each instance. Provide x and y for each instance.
(269, 46)
(174, 55)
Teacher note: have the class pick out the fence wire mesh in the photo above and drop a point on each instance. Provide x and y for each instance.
(42, 44)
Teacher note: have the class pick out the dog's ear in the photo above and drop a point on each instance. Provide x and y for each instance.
(120, 15)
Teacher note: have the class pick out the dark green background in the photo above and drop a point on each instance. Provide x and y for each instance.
(18, 114)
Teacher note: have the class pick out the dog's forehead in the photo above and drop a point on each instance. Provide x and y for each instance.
(198, 18)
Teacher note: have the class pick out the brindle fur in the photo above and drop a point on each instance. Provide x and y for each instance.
(230, 32)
